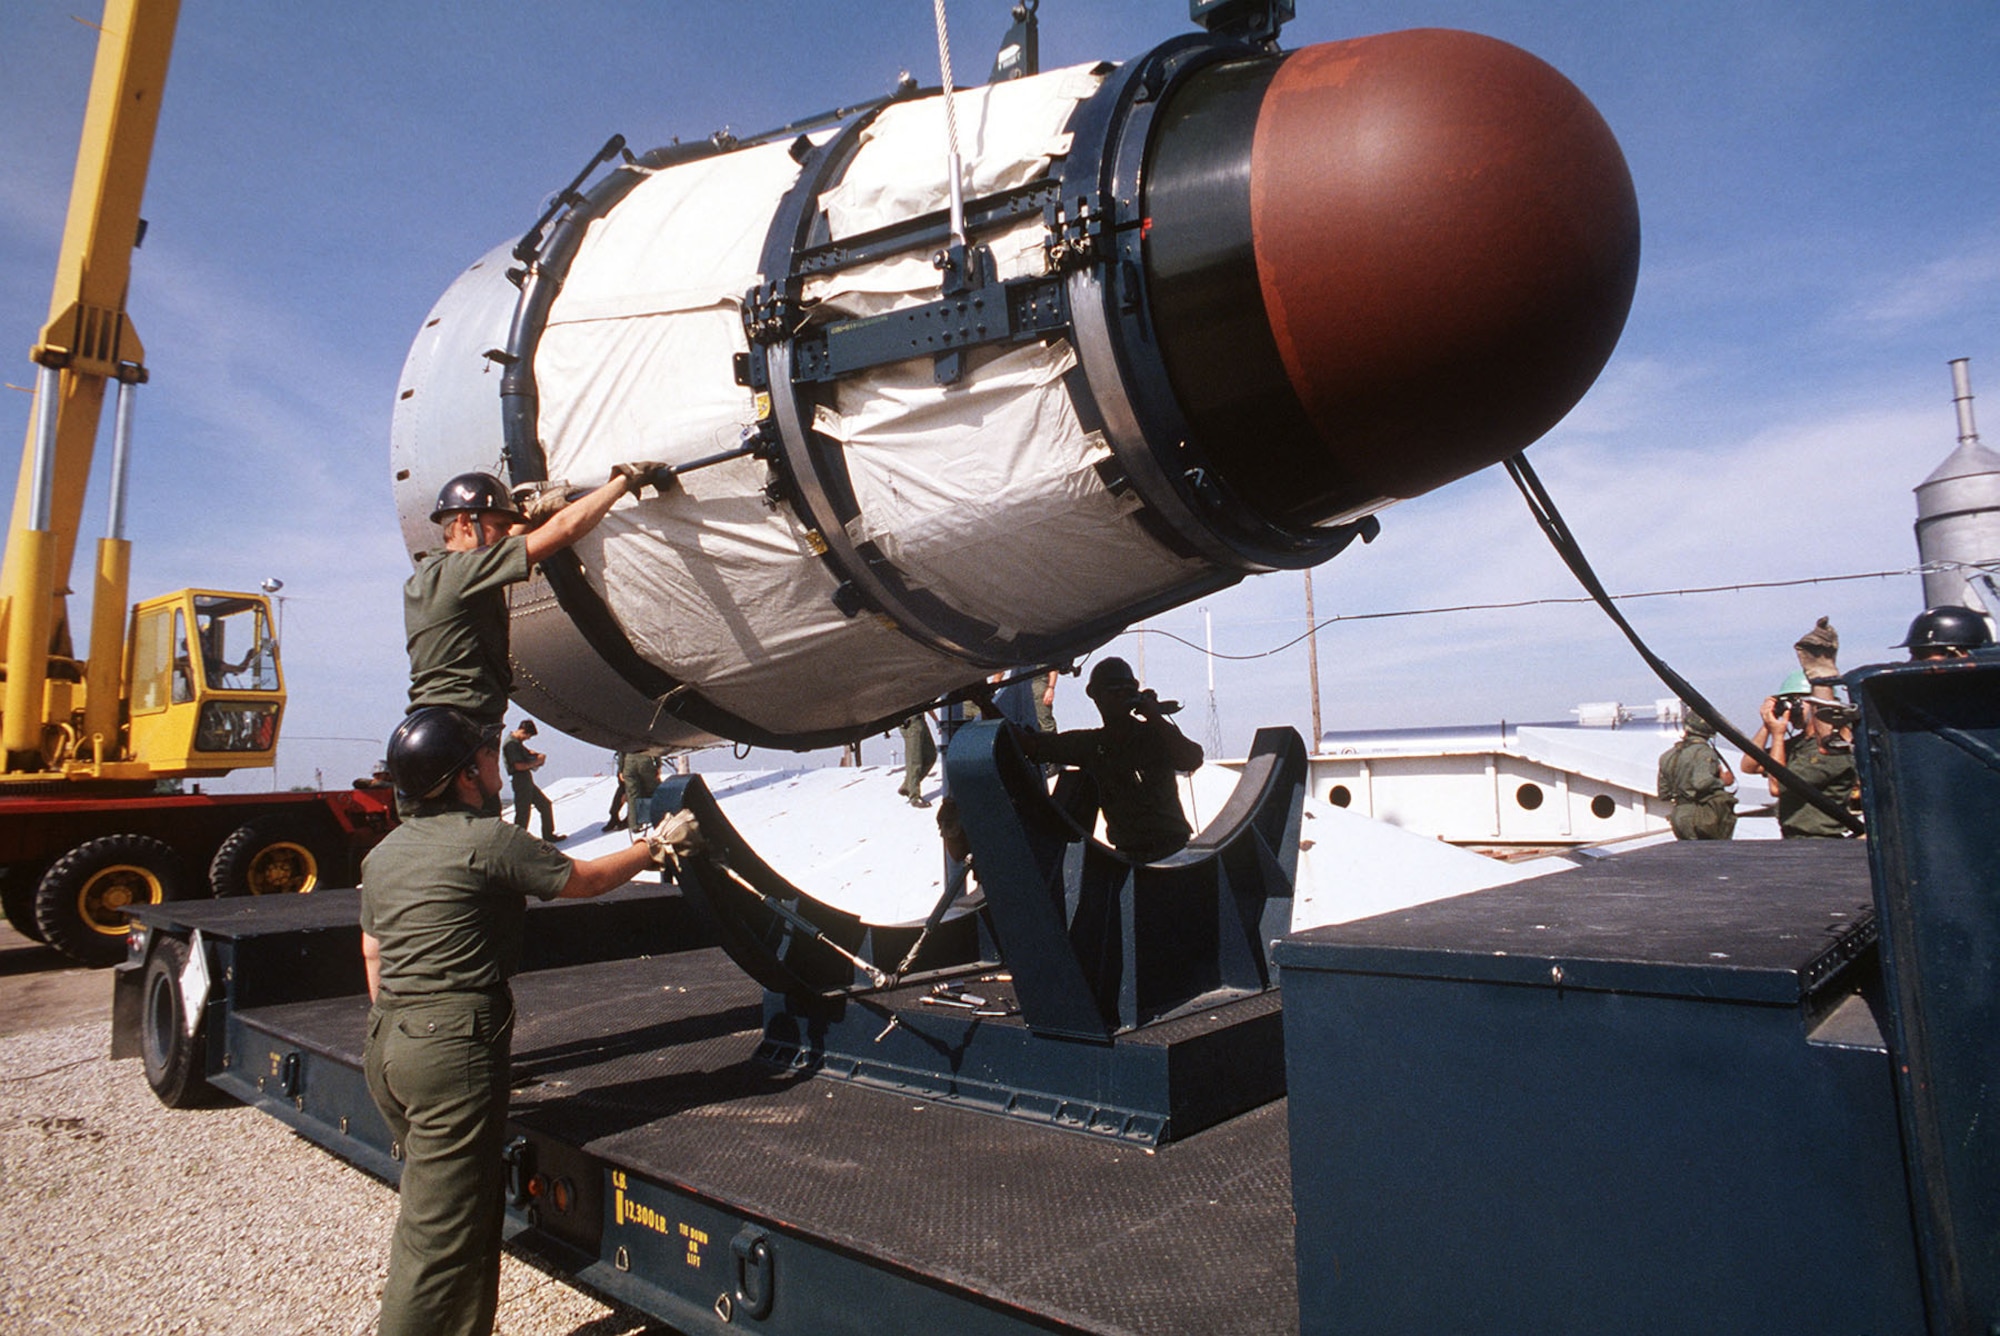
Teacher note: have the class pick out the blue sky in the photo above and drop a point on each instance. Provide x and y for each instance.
(1817, 187)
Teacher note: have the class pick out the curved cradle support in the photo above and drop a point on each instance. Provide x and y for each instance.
(782, 937)
(1099, 945)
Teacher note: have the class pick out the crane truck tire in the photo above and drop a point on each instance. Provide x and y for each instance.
(271, 855)
(173, 1057)
(81, 901)
(17, 896)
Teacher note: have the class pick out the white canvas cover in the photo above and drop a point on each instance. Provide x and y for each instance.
(1007, 135)
(983, 491)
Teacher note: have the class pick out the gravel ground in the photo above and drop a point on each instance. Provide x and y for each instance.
(123, 1216)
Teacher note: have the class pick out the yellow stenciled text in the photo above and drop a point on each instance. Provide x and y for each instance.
(697, 1239)
(625, 1211)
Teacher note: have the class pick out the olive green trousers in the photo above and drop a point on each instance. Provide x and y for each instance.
(437, 1068)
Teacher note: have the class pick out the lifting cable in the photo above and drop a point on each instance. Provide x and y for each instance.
(1559, 536)
(953, 167)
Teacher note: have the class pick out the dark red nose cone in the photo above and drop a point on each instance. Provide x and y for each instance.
(1447, 242)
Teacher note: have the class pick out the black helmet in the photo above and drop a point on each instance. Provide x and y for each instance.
(1948, 627)
(430, 746)
(474, 492)
(1113, 674)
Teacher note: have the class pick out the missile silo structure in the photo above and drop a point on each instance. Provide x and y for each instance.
(1210, 310)
(1958, 516)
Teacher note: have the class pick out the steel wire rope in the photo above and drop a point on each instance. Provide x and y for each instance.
(952, 162)
(1325, 622)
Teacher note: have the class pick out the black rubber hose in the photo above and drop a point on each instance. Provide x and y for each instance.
(1551, 521)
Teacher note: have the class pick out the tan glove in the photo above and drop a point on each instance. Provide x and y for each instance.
(677, 833)
(541, 500)
(646, 473)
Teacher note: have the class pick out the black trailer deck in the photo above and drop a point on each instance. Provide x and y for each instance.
(660, 1162)
(635, 1082)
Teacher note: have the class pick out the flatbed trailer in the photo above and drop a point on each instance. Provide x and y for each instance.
(658, 1161)
(655, 1158)
(1727, 1087)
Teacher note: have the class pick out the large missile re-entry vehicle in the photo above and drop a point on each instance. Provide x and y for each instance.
(1187, 318)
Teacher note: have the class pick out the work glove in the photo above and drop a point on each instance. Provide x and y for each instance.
(646, 473)
(541, 500)
(676, 834)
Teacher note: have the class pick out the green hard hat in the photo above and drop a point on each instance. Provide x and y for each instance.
(1795, 685)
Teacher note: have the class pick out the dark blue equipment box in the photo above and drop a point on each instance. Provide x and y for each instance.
(1647, 1095)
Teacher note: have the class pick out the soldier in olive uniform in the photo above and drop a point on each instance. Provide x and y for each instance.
(1133, 759)
(1824, 758)
(520, 762)
(639, 778)
(919, 755)
(1696, 780)
(455, 604)
(443, 908)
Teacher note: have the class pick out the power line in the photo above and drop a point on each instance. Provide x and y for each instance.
(1541, 602)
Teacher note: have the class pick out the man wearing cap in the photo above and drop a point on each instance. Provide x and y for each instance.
(455, 604)
(443, 914)
(1696, 780)
(1133, 759)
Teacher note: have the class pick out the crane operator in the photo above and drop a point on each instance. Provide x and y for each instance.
(443, 917)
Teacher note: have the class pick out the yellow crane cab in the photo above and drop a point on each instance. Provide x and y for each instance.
(203, 680)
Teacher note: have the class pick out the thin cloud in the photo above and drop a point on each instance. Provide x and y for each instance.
(1948, 286)
(1629, 394)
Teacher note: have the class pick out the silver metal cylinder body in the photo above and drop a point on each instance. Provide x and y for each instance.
(1958, 517)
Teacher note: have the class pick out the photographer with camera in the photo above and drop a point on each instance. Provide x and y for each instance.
(1133, 759)
(1814, 739)
(1782, 716)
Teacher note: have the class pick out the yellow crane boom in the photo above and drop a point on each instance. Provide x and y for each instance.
(59, 716)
